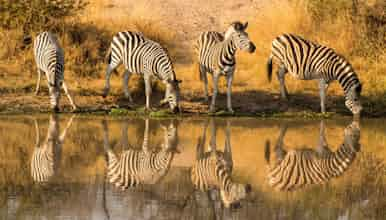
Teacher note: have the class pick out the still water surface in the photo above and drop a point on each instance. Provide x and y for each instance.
(65, 167)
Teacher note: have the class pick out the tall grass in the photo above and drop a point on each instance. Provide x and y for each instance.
(357, 34)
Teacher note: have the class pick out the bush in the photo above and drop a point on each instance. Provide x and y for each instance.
(35, 15)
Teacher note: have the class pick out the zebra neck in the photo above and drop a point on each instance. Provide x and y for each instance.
(347, 80)
(228, 50)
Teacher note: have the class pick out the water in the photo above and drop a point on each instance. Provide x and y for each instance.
(266, 169)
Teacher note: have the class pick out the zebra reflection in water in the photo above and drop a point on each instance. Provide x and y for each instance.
(294, 169)
(140, 167)
(212, 170)
(46, 157)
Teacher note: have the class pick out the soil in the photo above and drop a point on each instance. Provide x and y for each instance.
(245, 103)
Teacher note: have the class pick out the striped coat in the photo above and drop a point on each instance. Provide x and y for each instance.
(213, 171)
(146, 57)
(49, 57)
(306, 60)
(216, 55)
(295, 169)
(140, 167)
(46, 157)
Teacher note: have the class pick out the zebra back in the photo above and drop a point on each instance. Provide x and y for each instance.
(141, 167)
(298, 168)
(307, 60)
(141, 55)
(49, 57)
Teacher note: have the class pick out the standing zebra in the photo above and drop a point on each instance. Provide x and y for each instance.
(306, 60)
(146, 57)
(45, 158)
(139, 167)
(216, 55)
(213, 169)
(297, 168)
(49, 57)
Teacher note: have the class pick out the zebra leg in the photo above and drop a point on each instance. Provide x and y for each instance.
(322, 90)
(124, 136)
(37, 133)
(228, 147)
(145, 143)
(322, 145)
(212, 107)
(281, 77)
(63, 135)
(38, 81)
(229, 92)
(279, 151)
(213, 134)
(204, 77)
(74, 107)
(147, 90)
(109, 69)
(126, 77)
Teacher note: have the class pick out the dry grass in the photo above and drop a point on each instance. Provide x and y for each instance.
(86, 38)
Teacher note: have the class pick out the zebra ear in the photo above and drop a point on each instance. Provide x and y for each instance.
(245, 25)
(178, 81)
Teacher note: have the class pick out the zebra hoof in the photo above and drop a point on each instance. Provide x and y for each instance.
(55, 109)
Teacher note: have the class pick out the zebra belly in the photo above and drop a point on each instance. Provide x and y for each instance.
(305, 76)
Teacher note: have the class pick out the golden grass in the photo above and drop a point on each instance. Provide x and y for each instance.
(87, 37)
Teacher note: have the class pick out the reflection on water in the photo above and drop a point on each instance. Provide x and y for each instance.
(212, 170)
(300, 167)
(135, 167)
(45, 157)
(194, 168)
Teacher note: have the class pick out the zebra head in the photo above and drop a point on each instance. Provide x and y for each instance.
(353, 99)
(54, 91)
(234, 193)
(170, 136)
(173, 94)
(236, 32)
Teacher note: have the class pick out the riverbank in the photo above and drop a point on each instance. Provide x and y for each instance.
(250, 103)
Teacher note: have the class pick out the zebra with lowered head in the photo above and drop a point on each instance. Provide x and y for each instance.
(306, 60)
(216, 55)
(46, 156)
(140, 167)
(49, 57)
(212, 171)
(146, 57)
(297, 168)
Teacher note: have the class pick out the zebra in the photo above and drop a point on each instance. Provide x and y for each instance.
(216, 55)
(294, 169)
(140, 167)
(212, 170)
(146, 57)
(49, 57)
(306, 60)
(45, 157)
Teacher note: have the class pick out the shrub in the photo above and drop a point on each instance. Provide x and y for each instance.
(33, 15)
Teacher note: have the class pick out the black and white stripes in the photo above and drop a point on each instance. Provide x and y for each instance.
(146, 57)
(45, 157)
(213, 169)
(140, 167)
(306, 60)
(216, 55)
(297, 168)
(49, 57)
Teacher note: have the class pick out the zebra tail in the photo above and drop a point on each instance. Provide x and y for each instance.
(269, 68)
